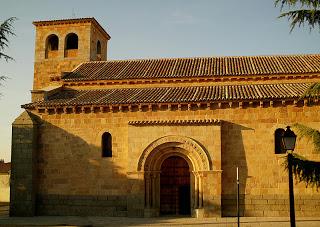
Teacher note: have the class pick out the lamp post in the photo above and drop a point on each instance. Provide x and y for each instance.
(289, 142)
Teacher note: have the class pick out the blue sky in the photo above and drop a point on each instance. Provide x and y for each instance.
(149, 29)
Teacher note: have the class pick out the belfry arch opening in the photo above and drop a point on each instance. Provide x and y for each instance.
(175, 187)
(71, 45)
(52, 46)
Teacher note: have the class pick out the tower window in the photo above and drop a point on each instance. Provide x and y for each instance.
(278, 146)
(52, 45)
(71, 41)
(52, 42)
(106, 145)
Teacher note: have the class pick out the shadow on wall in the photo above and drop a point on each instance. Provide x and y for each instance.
(73, 179)
(70, 176)
(232, 156)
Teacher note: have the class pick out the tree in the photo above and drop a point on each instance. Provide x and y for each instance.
(308, 12)
(6, 29)
(306, 170)
(305, 12)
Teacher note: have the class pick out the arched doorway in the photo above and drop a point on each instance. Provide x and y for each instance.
(155, 161)
(175, 187)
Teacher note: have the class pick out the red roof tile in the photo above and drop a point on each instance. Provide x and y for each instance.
(5, 167)
(174, 94)
(195, 67)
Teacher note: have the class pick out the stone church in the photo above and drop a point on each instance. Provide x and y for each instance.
(153, 137)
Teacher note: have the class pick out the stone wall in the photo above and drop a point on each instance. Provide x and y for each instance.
(83, 205)
(4, 187)
(70, 162)
(23, 162)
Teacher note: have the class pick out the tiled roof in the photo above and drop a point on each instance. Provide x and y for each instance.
(5, 167)
(195, 67)
(174, 95)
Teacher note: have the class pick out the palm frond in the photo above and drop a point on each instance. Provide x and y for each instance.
(290, 3)
(310, 17)
(309, 133)
(6, 29)
(305, 170)
(312, 91)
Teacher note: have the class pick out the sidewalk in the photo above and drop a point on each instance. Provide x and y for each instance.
(162, 221)
(5, 220)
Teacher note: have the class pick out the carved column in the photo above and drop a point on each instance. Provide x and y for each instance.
(200, 190)
(154, 190)
(147, 189)
(196, 190)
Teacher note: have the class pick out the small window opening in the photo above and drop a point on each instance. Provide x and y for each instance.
(98, 51)
(278, 145)
(71, 41)
(98, 47)
(106, 145)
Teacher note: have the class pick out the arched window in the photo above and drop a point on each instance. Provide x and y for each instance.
(52, 45)
(278, 145)
(98, 47)
(71, 41)
(106, 145)
(52, 42)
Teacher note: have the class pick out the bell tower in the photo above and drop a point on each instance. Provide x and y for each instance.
(61, 45)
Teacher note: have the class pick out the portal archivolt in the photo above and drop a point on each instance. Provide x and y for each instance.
(160, 150)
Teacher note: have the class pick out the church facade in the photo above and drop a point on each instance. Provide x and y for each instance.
(152, 137)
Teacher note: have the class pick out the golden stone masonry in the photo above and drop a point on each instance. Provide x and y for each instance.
(152, 137)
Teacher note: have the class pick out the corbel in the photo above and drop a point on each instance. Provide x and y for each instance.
(261, 104)
(179, 106)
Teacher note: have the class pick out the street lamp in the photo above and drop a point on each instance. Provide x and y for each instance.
(289, 142)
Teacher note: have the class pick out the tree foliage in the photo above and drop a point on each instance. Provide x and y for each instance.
(312, 92)
(309, 133)
(305, 171)
(308, 12)
(6, 30)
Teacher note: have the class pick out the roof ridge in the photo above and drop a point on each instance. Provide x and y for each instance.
(197, 86)
(204, 57)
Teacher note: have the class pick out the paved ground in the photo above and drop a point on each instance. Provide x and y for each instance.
(5, 220)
